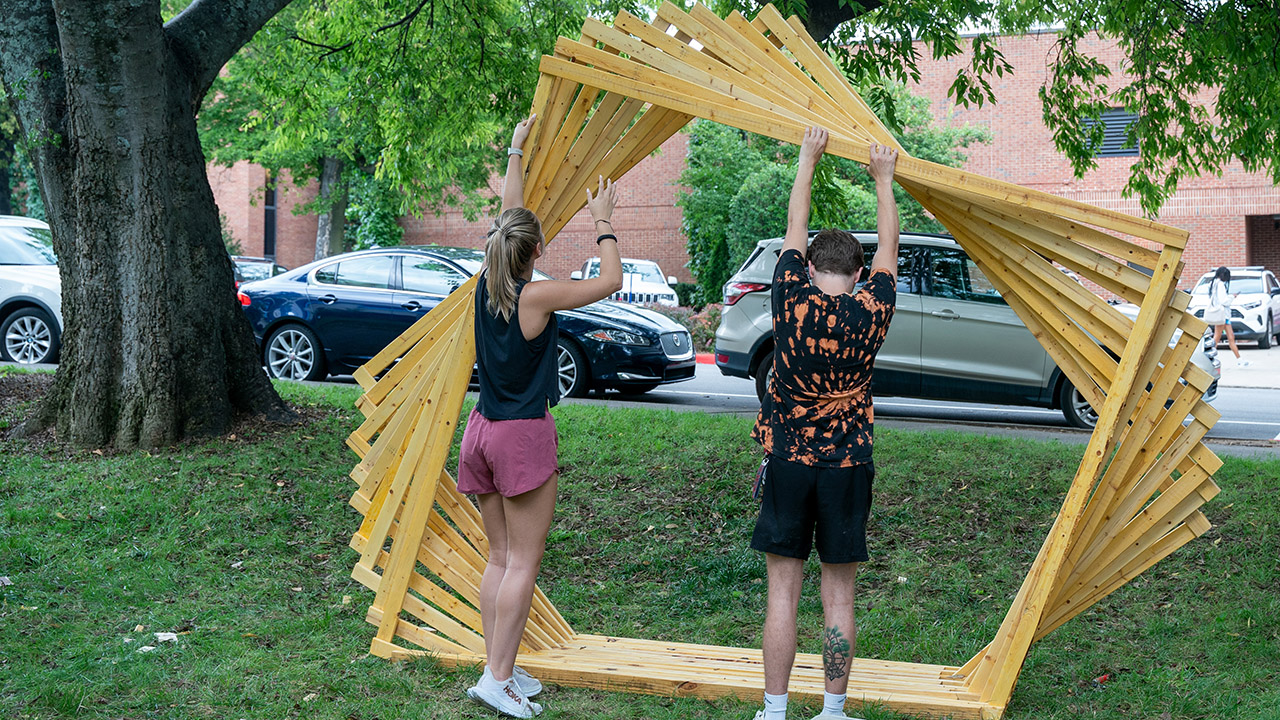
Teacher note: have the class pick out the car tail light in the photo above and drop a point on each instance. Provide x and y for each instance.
(244, 299)
(735, 290)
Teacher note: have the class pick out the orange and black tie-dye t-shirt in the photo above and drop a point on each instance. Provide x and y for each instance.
(818, 411)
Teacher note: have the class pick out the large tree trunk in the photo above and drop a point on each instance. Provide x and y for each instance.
(155, 347)
(333, 204)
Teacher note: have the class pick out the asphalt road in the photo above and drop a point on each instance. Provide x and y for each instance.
(1250, 415)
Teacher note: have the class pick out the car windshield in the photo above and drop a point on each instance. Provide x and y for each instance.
(254, 271)
(648, 272)
(473, 266)
(1239, 284)
(26, 246)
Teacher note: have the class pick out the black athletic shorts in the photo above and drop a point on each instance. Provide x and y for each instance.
(799, 499)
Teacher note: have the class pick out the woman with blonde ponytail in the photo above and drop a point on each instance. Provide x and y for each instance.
(508, 457)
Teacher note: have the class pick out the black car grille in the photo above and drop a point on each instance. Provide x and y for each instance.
(677, 344)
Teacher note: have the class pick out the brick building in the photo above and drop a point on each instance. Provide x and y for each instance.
(1233, 219)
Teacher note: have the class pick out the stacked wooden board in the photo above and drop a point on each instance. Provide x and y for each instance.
(609, 100)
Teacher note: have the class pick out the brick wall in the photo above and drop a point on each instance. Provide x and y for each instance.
(1212, 209)
(646, 221)
(238, 191)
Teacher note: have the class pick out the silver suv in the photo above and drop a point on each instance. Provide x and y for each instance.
(952, 338)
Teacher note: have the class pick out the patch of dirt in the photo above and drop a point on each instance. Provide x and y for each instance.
(18, 395)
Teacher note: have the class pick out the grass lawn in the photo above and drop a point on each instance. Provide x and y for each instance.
(240, 545)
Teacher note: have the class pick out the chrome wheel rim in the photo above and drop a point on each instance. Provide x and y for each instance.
(28, 340)
(291, 355)
(1083, 409)
(566, 369)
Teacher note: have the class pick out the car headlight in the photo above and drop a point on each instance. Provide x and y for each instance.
(1251, 304)
(618, 337)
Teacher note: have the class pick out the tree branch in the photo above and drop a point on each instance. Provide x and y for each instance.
(209, 32)
(402, 23)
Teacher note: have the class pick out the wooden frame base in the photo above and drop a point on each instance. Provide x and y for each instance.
(606, 102)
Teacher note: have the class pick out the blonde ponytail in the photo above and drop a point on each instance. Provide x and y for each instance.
(514, 236)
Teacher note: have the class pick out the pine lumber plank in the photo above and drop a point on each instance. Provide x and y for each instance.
(825, 73)
(546, 128)
(416, 332)
(538, 186)
(420, 502)
(441, 321)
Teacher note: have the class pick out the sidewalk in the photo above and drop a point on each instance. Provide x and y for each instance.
(1263, 370)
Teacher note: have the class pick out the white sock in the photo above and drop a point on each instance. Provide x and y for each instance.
(489, 681)
(775, 706)
(832, 704)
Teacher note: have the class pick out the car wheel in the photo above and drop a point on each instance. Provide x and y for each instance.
(764, 375)
(1264, 342)
(29, 337)
(293, 353)
(1078, 412)
(572, 369)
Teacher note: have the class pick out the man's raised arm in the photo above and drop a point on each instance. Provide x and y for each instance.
(811, 149)
(883, 161)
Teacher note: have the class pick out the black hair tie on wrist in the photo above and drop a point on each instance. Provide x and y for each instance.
(606, 236)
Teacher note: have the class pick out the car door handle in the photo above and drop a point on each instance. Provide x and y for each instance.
(328, 299)
(412, 306)
(945, 314)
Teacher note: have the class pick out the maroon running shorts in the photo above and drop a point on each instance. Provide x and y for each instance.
(510, 457)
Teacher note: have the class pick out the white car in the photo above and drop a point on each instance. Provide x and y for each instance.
(30, 292)
(642, 282)
(1255, 311)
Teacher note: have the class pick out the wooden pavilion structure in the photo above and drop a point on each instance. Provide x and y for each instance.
(608, 100)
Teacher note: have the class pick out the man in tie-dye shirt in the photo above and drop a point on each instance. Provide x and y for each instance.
(815, 423)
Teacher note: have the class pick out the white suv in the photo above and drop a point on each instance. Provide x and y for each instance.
(30, 292)
(1255, 311)
(642, 282)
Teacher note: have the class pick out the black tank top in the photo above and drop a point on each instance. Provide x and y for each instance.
(518, 378)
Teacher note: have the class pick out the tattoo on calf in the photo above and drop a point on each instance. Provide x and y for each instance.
(835, 653)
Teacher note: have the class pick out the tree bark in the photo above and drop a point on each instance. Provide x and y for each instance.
(826, 15)
(155, 348)
(333, 203)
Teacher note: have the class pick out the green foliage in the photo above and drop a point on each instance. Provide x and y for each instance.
(420, 94)
(720, 160)
(373, 211)
(739, 185)
(758, 210)
(686, 294)
(1203, 78)
(229, 240)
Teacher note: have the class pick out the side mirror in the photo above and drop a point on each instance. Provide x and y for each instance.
(1275, 291)
(671, 280)
(575, 275)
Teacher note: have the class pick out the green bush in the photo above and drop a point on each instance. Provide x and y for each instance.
(687, 294)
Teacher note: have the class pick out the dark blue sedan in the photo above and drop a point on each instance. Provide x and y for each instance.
(330, 317)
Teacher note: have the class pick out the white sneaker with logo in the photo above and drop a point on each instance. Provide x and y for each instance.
(503, 697)
(528, 684)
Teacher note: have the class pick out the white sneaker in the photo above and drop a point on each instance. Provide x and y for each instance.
(824, 715)
(528, 684)
(503, 697)
(1243, 363)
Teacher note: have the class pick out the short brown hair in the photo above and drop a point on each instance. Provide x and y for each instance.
(836, 251)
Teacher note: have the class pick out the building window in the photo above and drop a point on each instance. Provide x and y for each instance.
(1115, 133)
(269, 220)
